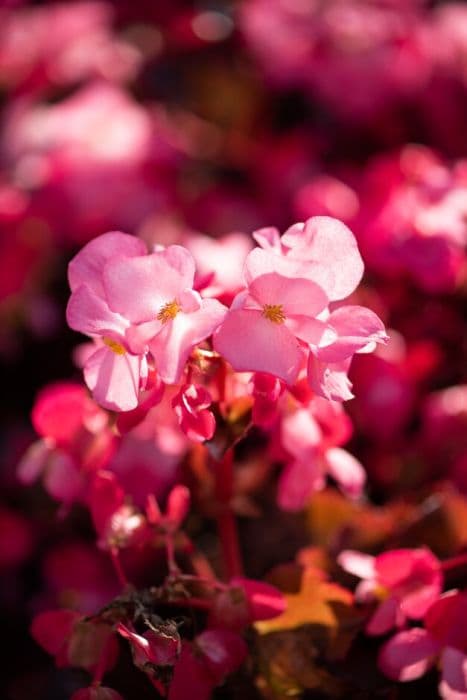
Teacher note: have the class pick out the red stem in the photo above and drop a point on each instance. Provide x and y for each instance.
(102, 663)
(117, 564)
(454, 562)
(226, 521)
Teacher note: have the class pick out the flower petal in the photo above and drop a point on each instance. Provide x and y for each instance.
(252, 343)
(297, 482)
(346, 470)
(331, 252)
(88, 313)
(408, 655)
(86, 267)
(296, 296)
(330, 380)
(356, 563)
(173, 345)
(356, 328)
(140, 287)
(113, 379)
(453, 684)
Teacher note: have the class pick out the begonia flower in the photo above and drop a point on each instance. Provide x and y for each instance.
(405, 582)
(315, 455)
(284, 312)
(76, 439)
(191, 406)
(411, 653)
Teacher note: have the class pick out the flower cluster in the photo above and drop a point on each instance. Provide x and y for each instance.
(241, 419)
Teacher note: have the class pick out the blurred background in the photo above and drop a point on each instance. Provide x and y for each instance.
(176, 120)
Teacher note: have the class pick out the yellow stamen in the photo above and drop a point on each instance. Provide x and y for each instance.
(114, 346)
(274, 313)
(168, 311)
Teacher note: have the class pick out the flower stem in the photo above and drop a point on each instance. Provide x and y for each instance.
(459, 562)
(226, 522)
(117, 564)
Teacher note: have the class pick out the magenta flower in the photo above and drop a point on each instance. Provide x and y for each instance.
(406, 581)
(313, 456)
(409, 654)
(191, 406)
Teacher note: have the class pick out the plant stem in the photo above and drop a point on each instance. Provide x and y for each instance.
(226, 522)
(454, 563)
(117, 564)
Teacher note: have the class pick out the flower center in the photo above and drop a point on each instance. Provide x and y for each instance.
(274, 313)
(168, 311)
(114, 346)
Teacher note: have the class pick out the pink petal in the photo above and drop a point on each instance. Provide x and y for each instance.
(331, 252)
(113, 379)
(89, 314)
(346, 470)
(268, 238)
(59, 411)
(296, 296)
(178, 505)
(453, 684)
(140, 287)
(356, 328)
(311, 330)
(408, 655)
(297, 482)
(173, 345)
(384, 618)
(356, 563)
(414, 576)
(252, 343)
(442, 619)
(330, 380)
(62, 479)
(264, 601)
(301, 434)
(33, 462)
(86, 267)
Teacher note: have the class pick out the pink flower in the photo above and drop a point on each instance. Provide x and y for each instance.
(284, 312)
(76, 439)
(263, 329)
(407, 581)
(315, 454)
(409, 654)
(165, 316)
(133, 303)
(191, 406)
(113, 373)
